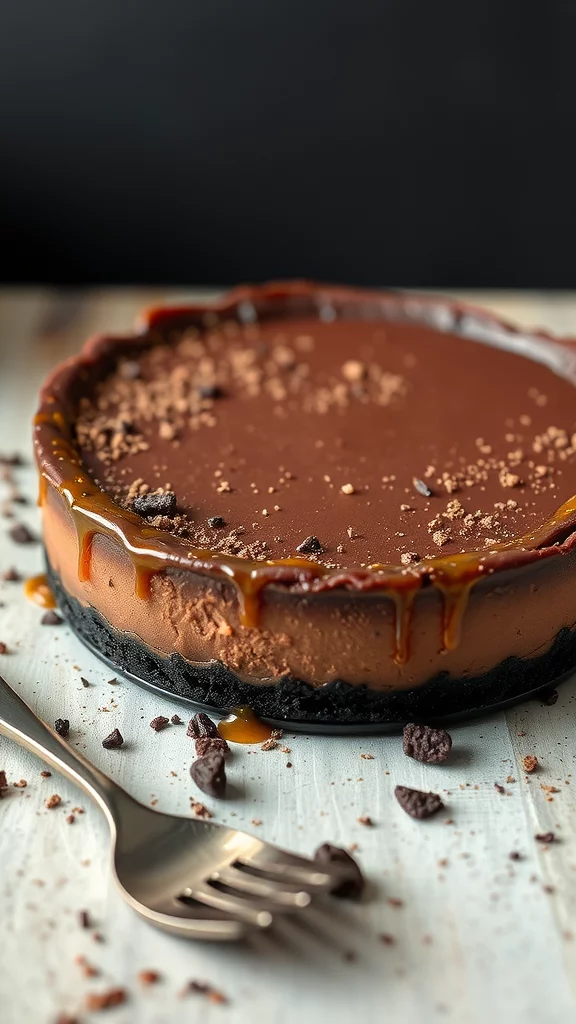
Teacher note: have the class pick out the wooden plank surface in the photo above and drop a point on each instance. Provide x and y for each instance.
(476, 936)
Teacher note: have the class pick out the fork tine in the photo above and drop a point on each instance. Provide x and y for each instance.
(304, 873)
(262, 888)
(230, 904)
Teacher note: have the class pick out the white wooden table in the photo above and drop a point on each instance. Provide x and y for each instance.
(477, 936)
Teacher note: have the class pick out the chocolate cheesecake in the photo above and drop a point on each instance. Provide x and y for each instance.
(336, 506)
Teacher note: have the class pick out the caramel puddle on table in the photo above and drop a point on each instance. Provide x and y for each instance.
(242, 726)
(37, 590)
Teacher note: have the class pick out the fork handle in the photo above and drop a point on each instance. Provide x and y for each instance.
(18, 722)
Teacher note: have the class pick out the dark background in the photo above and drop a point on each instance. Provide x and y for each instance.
(392, 142)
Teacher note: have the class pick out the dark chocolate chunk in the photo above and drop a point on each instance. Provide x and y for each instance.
(549, 696)
(546, 837)
(416, 803)
(200, 726)
(150, 505)
(421, 487)
(51, 618)
(210, 391)
(62, 727)
(159, 723)
(11, 576)
(216, 521)
(21, 534)
(209, 773)
(114, 740)
(310, 546)
(352, 884)
(431, 746)
(176, 720)
(206, 743)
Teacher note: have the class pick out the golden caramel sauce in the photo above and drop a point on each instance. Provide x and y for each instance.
(242, 726)
(37, 590)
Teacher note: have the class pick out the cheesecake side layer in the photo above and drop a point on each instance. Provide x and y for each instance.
(334, 704)
(317, 638)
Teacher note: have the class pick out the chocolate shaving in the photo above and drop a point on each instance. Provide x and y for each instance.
(352, 884)
(310, 546)
(200, 726)
(421, 487)
(150, 505)
(416, 803)
(113, 741)
(546, 837)
(209, 774)
(421, 742)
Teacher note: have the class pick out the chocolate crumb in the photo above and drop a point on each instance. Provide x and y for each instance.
(514, 855)
(13, 461)
(84, 682)
(159, 723)
(387, 939)
(148, 977)
(70, 819)
(216, 522)
(51, 618)
(11, 576)
(416, 803)
(84, 919)
(421, 487)
(546, 837)
(46, 775)
(209, 774)
(176, 720)
(62, 727)
(203, 989)
(53, 801)
(113, 741)
(20, 785)
(66, 1018)
(150, 505)
(3, 782)
(3, 647)
(530, 763)
(409, 557)
(199, 809)
(269, 744)
(365, 819)
(112, 682)
(421, 742)
(310, 546)
(200, 726)
(352, 884)
(499, 788)
(97, 1001)
(21, 534)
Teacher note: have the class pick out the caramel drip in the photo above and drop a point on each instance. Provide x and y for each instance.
(42, 490)
(144, 576)
(403, 600)
(37, 590)
(454, 604)
(85, 542)
(242, 726)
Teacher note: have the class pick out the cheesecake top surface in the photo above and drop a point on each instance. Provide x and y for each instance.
(337, 437)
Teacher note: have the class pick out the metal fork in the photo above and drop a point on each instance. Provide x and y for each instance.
(186, 876)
